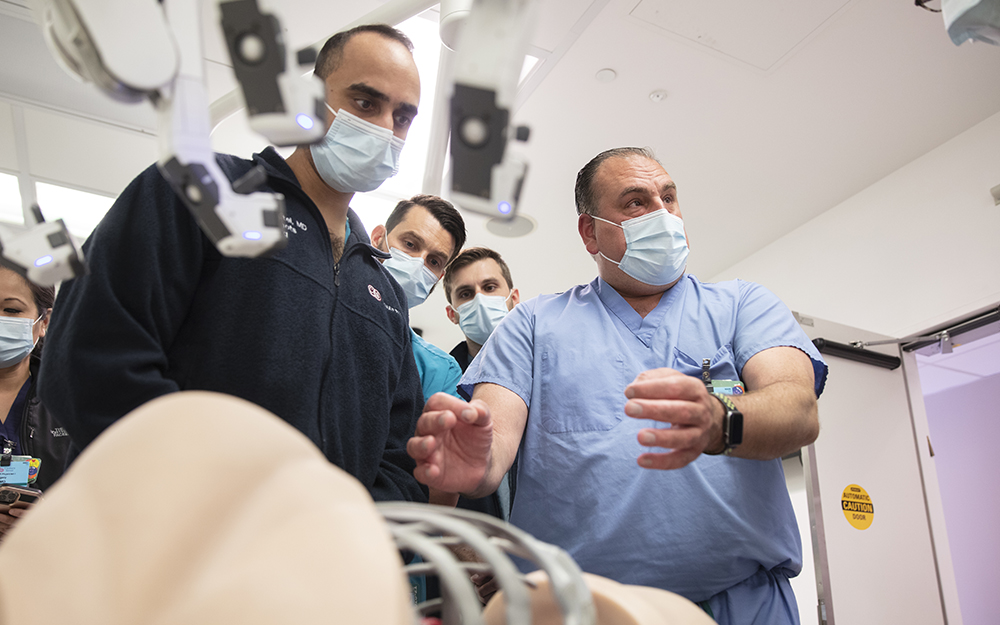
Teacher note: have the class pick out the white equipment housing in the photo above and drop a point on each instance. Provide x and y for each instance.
(45, 253)
(144, 49)
(978, 20)
(486, 177)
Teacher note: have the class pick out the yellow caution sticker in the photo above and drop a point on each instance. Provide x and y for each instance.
(858, 507)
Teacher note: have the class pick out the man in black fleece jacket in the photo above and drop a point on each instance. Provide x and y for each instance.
(317, 333)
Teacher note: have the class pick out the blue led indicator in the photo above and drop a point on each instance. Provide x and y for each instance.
(252, 235)
(304, 120)
(44, 260)
(504, 207)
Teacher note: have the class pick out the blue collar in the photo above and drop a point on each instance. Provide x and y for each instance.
(642, 328)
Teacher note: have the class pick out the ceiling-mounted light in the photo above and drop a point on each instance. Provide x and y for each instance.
(519, 226)
(606, 75)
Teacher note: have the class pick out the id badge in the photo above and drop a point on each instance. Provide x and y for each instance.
(15, 471)
(722, 387)
(728, 387)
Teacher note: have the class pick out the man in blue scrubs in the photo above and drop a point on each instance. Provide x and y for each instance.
(625, 397)
(422, 235)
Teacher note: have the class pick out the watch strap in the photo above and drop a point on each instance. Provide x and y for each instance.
(732, 426)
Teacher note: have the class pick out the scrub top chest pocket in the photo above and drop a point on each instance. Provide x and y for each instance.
(581, 393)
(721, 367)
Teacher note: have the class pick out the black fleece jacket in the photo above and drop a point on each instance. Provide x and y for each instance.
(42, 436)
(323, 345)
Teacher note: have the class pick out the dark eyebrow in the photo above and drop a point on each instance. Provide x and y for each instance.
(369, 90)
(645, 190)
(406, 107)
(16, 299)
(423, 243)
(409, 109)
(411, 233)
(631, 190)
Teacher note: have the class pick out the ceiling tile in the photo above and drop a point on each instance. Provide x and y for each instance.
(757, 33)
(61, 150)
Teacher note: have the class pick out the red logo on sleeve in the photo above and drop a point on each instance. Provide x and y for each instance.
(374, 292)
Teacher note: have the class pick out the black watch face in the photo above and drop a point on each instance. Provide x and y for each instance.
(735, 428)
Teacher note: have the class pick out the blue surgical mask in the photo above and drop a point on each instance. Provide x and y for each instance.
(16, 339)
(412, 274)
(356, 156)
(479, 316)
(656, 248)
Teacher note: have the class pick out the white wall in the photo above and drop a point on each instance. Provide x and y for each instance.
(918, 248)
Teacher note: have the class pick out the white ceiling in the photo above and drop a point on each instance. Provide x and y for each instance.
(759, 34)
(776, 111)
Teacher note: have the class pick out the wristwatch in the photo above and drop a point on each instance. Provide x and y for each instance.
(732, 426)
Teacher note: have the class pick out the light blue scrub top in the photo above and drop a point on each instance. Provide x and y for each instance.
(439, 371)
(695, 531)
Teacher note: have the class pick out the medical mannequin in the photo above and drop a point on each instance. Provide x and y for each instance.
(199, 507)
(616, 604)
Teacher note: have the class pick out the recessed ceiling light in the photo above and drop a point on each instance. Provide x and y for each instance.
(658, 96)
(606, 75)
(517, 226)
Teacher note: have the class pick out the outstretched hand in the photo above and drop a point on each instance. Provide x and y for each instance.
(683, 402)
(452, 444)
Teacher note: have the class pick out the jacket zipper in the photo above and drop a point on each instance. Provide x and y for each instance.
(27, 442)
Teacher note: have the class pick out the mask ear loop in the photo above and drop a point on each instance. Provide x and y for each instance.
(34, 343)
(39, 318)
(607, 222)
(613, 224)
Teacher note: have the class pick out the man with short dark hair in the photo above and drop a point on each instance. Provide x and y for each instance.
(422, 235)
(649, 411)
(317, 333)
(480, 292)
